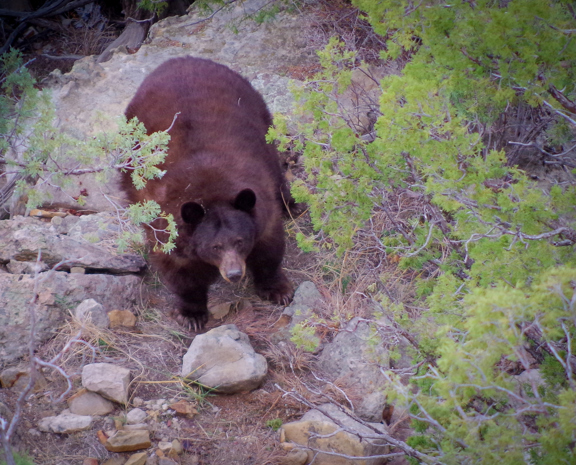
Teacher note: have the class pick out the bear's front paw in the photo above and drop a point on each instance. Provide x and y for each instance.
(193, 319)
(279, 292)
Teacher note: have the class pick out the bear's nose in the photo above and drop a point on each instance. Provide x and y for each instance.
(234, 275)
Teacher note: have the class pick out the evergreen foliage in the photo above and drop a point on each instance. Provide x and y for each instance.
(503, 291)
(34, 153)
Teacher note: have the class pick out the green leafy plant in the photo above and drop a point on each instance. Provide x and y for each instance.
(493, 249)
(472, 408)
(20, 459)
(275, 424)
(153, 6)
(304, 336)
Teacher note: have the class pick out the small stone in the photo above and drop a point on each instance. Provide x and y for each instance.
(17, 379)
(165, 446)
(77, 270)
(137, 459)
(101, 437)
(122, 318)
(92, 312)
(138, 402)
(90, 461)
(177, 447)
(115, 461)
(220, 311)
(135, 416)
(185, 408)
(65, 424)
(152, 460)
(108, 380)
(85, 402)
(128, 441)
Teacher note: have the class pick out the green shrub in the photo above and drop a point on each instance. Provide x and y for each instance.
(501, 245)
(36, 153)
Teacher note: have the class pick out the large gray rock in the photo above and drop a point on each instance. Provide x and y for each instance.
(264, 53)
(223, 359)
(110, 381)
(356, 440)
(354, 358)
(88, 243)
(58, 293)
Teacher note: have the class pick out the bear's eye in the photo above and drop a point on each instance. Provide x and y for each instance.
(216, 248)
(239, 243)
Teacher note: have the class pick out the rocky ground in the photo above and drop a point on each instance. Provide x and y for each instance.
(130, 404)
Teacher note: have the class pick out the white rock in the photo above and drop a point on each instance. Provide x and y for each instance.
(224, 359)
(108, 380)
(136, 416)
(65, 423)
(91, 311)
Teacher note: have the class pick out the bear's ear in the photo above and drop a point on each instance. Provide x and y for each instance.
(245, 200)
(192, 212)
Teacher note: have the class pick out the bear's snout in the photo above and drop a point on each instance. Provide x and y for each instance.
(232, 267)
(234, 275)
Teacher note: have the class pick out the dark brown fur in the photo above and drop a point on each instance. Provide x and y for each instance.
(223, 182)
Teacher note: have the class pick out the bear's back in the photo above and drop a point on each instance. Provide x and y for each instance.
(209, 101)
(218, 124)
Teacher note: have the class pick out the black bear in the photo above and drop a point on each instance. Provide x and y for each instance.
(223, 184)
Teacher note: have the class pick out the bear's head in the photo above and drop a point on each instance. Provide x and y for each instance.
(223, 234)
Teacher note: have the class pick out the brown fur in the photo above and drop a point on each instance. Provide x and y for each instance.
(217, 155)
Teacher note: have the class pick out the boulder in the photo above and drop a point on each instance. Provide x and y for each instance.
(357, 441)
(110, 381)
(223, 359)
(81, 246)
(354, 358)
